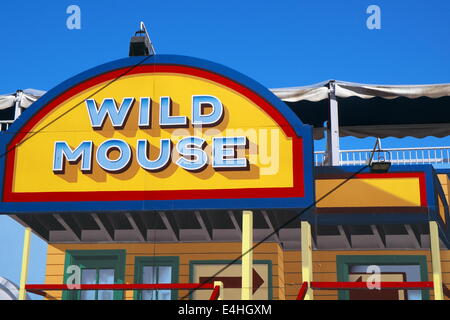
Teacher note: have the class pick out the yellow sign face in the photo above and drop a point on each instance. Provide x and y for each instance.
(160, 133)
(372, 192)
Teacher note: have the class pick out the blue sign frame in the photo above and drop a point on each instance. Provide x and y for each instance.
(302, 130)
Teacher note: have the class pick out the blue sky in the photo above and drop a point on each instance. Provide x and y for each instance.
(278, 43)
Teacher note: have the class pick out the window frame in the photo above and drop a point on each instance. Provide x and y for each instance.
(343, 262)
(147, 261)
(96, 259)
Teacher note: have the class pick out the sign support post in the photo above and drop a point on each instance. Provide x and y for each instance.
(436, 261)
(24, 270)
(17, 110)
(247, 255)
(307, 268)
(333, 153)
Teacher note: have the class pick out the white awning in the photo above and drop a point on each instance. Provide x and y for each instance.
(27, 97)
(367, 110)
(319, 91)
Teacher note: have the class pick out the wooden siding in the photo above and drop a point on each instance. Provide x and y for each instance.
(286, 265)
(186, 252)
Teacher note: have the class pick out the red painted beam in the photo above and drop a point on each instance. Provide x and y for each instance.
(215, 293)
(418, 285)
(159, 286)
(302, 291)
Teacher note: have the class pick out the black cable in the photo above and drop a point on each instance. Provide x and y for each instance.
(72, 108)
(208, 280)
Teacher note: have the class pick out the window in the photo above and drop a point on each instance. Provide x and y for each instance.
(97, 276)
(97, 267)
(397, 268)
(152, 270)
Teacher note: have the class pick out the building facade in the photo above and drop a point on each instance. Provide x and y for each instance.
(161, 170)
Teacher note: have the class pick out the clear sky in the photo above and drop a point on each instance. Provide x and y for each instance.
(278, 43)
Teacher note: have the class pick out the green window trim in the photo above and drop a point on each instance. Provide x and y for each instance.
(344, 261)
(97, 259)
(140, 262)
(192, 263)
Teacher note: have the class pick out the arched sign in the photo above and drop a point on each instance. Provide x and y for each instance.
(157, 133)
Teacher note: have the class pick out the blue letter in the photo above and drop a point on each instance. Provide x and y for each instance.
(62, 150)
(210, 119)
(192, 147)
(113, 165)
(224, 152)
(162, 160)
(145, 112)
(108, 107)
(165, 119)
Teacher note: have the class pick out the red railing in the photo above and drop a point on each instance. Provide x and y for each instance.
(418, 285)
(302, 291)
(215, 294)
(41, 288)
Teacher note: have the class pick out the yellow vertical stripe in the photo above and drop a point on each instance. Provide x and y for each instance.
(436, 261)
(25, 257)
(247, 258)
(307, 271)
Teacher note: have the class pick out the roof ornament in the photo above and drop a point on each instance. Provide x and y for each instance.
(140, 43)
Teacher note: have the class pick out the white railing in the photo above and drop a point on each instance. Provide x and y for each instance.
(4, 124)
(427, 155)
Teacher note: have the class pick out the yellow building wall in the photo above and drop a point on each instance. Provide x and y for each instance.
(185, 251)
(444, 180)
(286, 265)
(324, 269)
